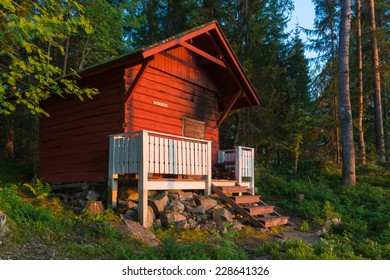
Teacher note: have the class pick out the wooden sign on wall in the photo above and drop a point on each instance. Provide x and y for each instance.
(193, 128)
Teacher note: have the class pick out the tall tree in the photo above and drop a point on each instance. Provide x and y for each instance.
(324, 41)
(380, 138)
(298, 120)
(348, 150)
(361, 142)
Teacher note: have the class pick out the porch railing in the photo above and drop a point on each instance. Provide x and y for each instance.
(242, 159)
(145, 153)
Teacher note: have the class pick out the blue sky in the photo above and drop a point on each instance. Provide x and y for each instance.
(303, 14)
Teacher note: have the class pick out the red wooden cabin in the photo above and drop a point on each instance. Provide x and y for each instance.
(192, 76)
(183, 86)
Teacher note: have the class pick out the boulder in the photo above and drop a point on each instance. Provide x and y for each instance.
(222, 215)
(191, 202)
(139, 231)
(183, 225)
(208, 226)
(133, 196)
(207, 202)
(185, 195)
(192, 223)
(204, 217)
(151, 217)
(170, 217)
(91, 195)
(131, 215)
(199, 210)
(236, 225)
(94, 207)
(173, 196)
(126, 203)
(176, 206)
(189, 208)
(157, 223)
(158, 202)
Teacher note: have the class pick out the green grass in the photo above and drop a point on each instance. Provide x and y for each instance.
(364, 209)
(39, 227)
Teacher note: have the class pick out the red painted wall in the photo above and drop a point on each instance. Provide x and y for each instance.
(175, 80)
(74, 140)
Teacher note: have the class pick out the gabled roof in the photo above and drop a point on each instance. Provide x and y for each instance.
(219, 61)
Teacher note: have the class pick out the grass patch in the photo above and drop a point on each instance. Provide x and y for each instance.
(39, 227)
(364, 209)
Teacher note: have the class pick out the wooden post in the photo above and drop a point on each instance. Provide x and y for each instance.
(143, 178)
(252, 168)
(238, 161)
(209, 170)
(112, 182)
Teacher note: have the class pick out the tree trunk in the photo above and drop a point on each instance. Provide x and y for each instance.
(347, 144)
(361, 142)
(66, 55)
(10, 141)
(380, 139)
(336, 138)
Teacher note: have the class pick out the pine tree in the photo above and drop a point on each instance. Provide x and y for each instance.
(324, 41)
(348, 150)
(379, 129)
(361, 142)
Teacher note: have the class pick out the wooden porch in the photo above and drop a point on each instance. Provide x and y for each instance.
(161, 161)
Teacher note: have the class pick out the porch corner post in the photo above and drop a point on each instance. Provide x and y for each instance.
(209, 169)
(112, 182)
(143, 178)
(238, 166)
(252, 168)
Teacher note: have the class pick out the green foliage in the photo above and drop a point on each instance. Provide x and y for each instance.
(38, 190)
(30, 34)
(305, 227)
(29, 219)
(364, 209)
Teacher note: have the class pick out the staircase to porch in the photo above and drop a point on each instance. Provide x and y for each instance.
(249, 206)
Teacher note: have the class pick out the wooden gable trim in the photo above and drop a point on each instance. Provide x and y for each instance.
(237, 66)
(178, 41)
(137, 79)
(203, 54)
(229, 68)
(228, 107)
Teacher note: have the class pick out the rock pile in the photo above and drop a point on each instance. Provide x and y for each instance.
(187, 210)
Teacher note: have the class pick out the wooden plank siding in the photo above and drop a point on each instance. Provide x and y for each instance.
(181, 88)
(74, 140)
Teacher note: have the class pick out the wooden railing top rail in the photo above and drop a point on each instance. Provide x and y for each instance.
(171, 136)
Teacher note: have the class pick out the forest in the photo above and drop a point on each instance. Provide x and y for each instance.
(323, 126)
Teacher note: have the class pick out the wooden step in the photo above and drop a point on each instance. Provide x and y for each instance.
(260, 210)
(224, 183)
(246, 199)
(273, 221)
(234, 189)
